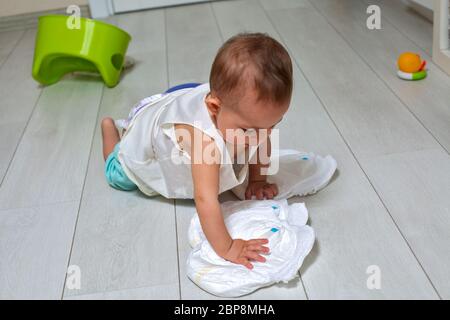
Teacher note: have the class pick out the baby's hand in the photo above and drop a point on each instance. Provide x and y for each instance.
(242, 251)
(261, 189)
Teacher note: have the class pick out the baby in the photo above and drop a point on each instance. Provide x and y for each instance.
(201, 140)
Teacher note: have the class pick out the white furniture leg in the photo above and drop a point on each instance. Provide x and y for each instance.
(441, 52)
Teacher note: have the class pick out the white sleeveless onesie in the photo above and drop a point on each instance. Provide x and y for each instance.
(151, 157)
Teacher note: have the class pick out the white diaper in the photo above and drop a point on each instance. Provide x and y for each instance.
(290, 240)
(299, 173)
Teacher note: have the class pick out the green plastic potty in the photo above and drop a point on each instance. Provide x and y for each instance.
(94, 47)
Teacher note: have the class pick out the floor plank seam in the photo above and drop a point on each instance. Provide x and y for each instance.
(178, 249)
(303, 285)
(295, 61)
(20, 138)
(117, 290)
(379, 77)
(359, 164)
(388, 154)
(425, 50)
(80, 201)
(174, 201)
(222, 38)
(351, 151)
(19, 39)
(32, 111)
(38, 205)
(166, 48)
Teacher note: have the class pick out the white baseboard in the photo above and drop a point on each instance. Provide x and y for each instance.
(441, 48)
(101, 8)
(424, 8)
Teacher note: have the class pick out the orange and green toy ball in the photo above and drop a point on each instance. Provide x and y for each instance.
(411, 66)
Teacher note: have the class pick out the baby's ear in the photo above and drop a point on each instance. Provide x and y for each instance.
(213, 104)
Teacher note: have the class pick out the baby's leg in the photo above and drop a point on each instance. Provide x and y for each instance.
(110, 136)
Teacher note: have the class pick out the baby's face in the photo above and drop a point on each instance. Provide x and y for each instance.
(248, 119)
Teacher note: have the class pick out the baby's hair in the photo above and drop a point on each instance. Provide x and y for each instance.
(252, 61)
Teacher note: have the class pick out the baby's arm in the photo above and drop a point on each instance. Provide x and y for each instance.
(205, 176)
(257, 184)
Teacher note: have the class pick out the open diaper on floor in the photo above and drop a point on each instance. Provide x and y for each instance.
(290, 241)
(297, 173)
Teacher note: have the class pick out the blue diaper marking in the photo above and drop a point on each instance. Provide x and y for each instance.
(269, 233)
(305, 158)
(275, 207)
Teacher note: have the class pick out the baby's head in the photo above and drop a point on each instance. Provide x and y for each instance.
(250, 83)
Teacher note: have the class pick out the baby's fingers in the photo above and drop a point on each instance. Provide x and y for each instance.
(253, 255)
(268, 193)
(257, 241)
(275, 189)
(248, 194)
(246, 263)
(258, 248)
(260, 194)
